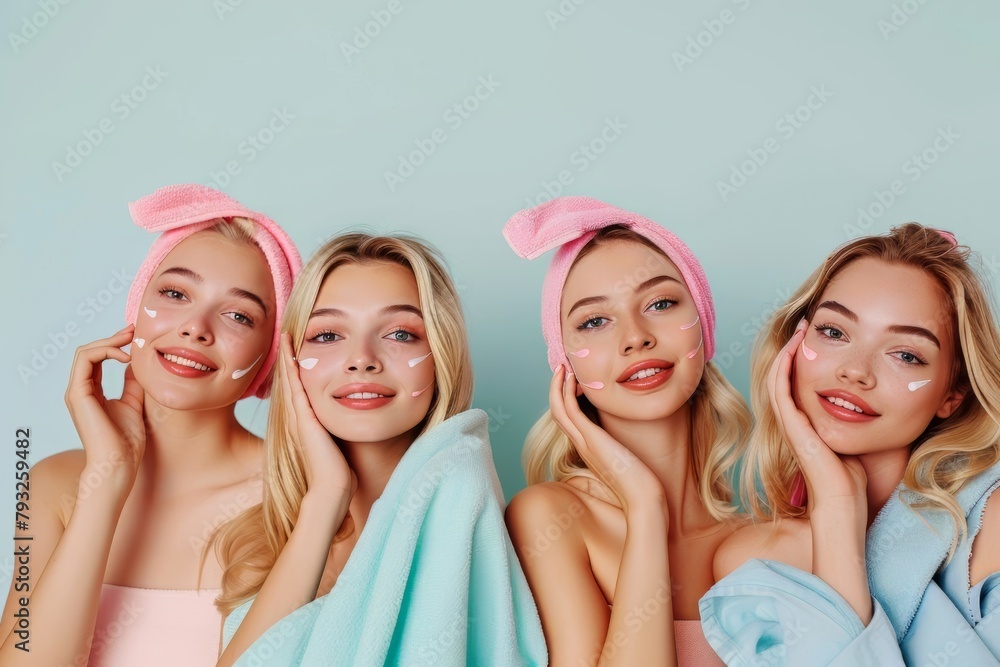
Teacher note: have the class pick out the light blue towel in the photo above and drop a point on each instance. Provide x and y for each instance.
(769, 613)
(433, 579)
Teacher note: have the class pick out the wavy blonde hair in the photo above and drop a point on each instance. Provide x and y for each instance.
(720, 421)
(950, 451)
(249, 545)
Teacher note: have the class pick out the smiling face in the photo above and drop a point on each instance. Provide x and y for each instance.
(631, 331)
(205, 323)
(878, 359)
(365, 361)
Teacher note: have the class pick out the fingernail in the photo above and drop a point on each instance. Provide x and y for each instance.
(802, 324)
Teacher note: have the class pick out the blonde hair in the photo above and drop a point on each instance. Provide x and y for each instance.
(950, 451)
(720, 421)
(249, 545)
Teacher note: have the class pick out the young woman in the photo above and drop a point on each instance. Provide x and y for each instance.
(118, 528)
(628, 477)
(877, 391)
(381, 538)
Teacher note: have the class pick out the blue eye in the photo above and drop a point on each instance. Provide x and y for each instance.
(402, 336)
(241, 318)
(324, 337)
(827, 331)
(910, 359)
(593, 323)
(661, 305)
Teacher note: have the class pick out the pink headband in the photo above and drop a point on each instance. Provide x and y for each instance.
(569, 223)
(182, 210)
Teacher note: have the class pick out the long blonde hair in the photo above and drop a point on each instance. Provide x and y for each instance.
(951, 450)
(249, 545)
(720, 421)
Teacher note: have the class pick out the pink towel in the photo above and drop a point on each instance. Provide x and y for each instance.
(182, 210)
(569, 223)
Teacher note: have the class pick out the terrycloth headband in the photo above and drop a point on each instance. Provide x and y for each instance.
(182, 210)
(569, 223)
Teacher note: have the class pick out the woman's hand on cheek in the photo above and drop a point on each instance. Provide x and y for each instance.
(830, 478)
(113, 432)
(327, 471)
(628, 478)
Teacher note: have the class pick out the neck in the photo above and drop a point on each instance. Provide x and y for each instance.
(373, 463)
(664, 446)
(182, 443)
(884, 472)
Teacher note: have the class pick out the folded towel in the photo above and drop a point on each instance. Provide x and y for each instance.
(433, 579)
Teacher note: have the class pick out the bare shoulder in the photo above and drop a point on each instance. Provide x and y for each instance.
(788, 541)
(55, 480)
(545, 517)
(986, 547)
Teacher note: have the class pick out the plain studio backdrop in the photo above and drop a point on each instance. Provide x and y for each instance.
(763, 132)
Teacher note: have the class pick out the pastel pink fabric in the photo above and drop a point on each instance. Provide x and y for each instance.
(156, 628)
(182, 210)
(693, 650)
(569, 223)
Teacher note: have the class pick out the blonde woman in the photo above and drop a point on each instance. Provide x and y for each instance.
(380, 539)
(628, 494)
(877, 392)
(117, 577)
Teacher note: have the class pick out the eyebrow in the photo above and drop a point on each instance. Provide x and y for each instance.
(235, 291)
(904, 329)
(388, 310)
(639, 288)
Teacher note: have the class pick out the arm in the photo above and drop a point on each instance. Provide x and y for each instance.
(579, 627)
(986, 547)
(838, 506)
(630, 634)
(67, 565)
(296, 574)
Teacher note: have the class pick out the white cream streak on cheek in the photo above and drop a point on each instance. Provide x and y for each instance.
(139, 341)
(151, 313)
(581, 353)
(420, 391)
(913, 386)
(416, 360)
(809, 353)
(588, 385)
(240, 373)
(309, 363)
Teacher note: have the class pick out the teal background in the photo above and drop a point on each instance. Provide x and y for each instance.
(225, 70)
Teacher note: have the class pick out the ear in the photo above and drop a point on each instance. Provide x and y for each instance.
(950, 403)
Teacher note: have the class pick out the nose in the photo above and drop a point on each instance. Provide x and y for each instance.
(636, 336)
(197, 328)
(858, 369)
(363, 358)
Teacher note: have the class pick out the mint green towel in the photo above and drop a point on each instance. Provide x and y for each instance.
(433, 579)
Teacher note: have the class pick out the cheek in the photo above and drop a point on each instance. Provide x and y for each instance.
(413, 366)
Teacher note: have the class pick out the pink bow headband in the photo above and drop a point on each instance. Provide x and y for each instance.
(569, 223)
(182, 210)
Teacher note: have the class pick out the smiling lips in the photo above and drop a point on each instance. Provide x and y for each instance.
(185, 363)
(845, 406)
(367, 396)
(646, 375)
